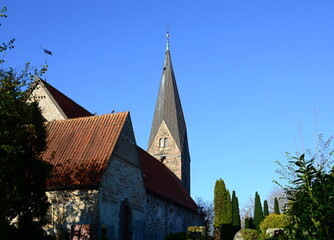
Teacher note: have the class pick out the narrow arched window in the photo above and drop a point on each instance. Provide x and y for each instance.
(166, 142)
(161, 142)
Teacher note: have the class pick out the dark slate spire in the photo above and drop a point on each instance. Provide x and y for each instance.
(168, 106)
(168, 123)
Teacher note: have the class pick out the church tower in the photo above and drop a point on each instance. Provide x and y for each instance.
(168, 139)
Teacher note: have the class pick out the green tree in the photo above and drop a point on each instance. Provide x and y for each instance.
(247, 222)
(236, 223)
(265, 208)
(223, 209)
(22, 140)
(310, 205)
(258, 213)
(276, 206)
(222, 204)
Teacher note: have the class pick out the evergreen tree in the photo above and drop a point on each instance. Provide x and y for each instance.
(265, 208)
(223, 209)
(251, 223)
(247, 222)
(22, 172)
(222, 204)
(276, 206)
(235, 213)
(218, 202)
(258, 213)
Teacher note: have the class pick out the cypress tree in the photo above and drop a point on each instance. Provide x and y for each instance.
(265, 208)
(276, 206)
(218, 202)
(247, 222)
(258, 213)
(235, 213)
(251, 223)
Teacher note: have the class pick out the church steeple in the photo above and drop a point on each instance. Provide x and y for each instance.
(168, 139)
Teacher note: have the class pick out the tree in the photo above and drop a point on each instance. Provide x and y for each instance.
(22, 140)
(310, 206)
(276, 192)
(223, 209)
(247, 209)
(235, 213)
(222, 204)
(265, 208)
(258, 213)
(208, 210)
(276, 206)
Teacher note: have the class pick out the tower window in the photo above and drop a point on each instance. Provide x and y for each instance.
(161, 143)
(166, 142)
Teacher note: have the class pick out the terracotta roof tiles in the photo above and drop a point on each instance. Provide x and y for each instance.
(80, 149)
(160, 180)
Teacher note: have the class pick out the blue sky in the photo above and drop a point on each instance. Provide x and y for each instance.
(255, 77)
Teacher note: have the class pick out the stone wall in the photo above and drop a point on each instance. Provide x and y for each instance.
(122, 189)
(164, 217)
(69, 207)
(50, 111)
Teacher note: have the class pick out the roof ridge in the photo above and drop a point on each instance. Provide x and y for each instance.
(94, 116)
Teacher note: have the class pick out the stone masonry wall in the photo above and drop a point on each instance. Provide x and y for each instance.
(69, 207)
(49, 110)
(163, 217)
(122, 184)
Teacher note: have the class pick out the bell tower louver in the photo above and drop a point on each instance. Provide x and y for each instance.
(168, 139)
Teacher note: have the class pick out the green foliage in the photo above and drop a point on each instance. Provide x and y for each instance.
(22, 140)
(310, 206)
(273, 221)
(247, 222)
(276, 206)
(250, 234)
(258, 213)
(222, 204)
(265, 208)
(236, 223)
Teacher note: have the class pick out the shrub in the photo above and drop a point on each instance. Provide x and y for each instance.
(273, 221)
(250, 234)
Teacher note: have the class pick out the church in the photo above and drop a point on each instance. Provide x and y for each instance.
(102, 185)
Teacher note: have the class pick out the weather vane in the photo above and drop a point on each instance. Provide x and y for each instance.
(167, 35)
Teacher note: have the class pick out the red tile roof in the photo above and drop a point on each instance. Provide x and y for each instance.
(160, 180)
(69, 107)
(80, 149)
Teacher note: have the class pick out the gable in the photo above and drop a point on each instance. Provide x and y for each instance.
(79, 149)
(54, 104)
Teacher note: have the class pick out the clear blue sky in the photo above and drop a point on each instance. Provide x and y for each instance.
(250, 73)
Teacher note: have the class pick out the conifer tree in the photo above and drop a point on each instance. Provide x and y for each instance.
(222, 204)
(251, 223)
(218, 202)
(265, 208)
(258, 213)
(247, 222)
(276, 206)
(235, 213)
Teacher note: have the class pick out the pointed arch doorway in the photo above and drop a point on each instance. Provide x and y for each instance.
(125, 220)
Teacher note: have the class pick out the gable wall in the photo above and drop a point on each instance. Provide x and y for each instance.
(49, 110)
(123, 183)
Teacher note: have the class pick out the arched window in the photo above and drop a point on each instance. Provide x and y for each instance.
(166, 142)
(161, 143)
